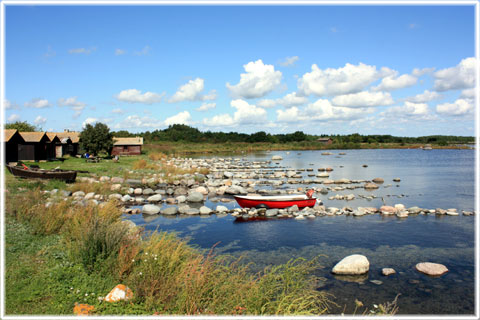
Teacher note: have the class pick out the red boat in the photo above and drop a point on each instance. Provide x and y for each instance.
(277, 202)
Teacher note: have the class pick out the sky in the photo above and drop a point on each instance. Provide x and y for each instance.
(406, 70)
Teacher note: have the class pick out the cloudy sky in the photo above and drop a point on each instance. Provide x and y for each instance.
(400, 70)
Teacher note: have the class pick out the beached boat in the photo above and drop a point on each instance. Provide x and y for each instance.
(277, 202)
(34, 173)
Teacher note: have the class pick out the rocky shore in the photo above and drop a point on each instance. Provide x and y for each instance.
(155, 193)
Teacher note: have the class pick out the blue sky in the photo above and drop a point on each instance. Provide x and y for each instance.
(323, 69)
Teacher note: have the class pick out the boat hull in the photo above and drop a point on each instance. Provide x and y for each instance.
(67, 176)
(269, 203)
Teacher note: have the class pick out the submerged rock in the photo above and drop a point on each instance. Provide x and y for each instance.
(431, 269)
(388, 271)
(370, 185)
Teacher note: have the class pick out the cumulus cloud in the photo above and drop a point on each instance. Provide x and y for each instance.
(292, 99)
(10, 105)
(462, 76)
(40, 120)
(323, 110)
(219, 121)
(119, 52)
(135, 96)
(468, 93)
(459, 107)
(408, 109)
(73, 103)
(180, 118)
(89, 120)
(349, 79)
(192, 91)
(426, 96)
(13, 118)
(245, 114)
(289, 115)
(288, 61)
(394, 82)
(118, 111)
(143, 52)
(135, 121)
(37, 103)
(420, 72)
(267, 103)
(363, 99)
(82, 50)
(206, 106)
(259, 80)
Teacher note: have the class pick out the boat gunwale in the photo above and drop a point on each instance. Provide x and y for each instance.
(285, 198)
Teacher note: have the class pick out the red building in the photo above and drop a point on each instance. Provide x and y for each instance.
(127, 146)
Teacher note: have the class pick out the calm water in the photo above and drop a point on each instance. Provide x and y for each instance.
(429, 179)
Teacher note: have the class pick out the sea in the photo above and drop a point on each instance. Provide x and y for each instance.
(438, 178)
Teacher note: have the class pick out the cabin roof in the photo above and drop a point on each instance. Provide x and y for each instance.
(51, 135)
(73, 135)
(136, 141)
(9, 133)
(32, 136)
(323, 139)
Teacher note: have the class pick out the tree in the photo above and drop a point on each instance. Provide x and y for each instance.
(94, 139)
(22, 126)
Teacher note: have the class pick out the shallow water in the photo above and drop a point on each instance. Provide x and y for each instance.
(430, 179)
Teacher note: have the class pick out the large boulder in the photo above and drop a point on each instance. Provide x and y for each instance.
(353, 264)
(205, 210)
(431, 269)
(150, 209)
(370, 185)
(277, 157)
(169, 211)
(378, 180)
(155, 198)
(120, 292)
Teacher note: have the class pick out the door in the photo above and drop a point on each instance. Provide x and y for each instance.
(26, 152)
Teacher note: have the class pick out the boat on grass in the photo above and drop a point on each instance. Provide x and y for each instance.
(277, 202)
(37, 173)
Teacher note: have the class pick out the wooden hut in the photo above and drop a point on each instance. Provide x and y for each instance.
(69, 141)
(127, 146)
(33, 147)
(325, 140)
(51, 145)
(12, 140)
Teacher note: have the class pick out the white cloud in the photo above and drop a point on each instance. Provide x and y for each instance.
(119, 52)
(38, 103)
(180, 118)
(363, 99)
(288, 115)
(13, 118)
(248, 113)
(267, 103)
(40, 120)
(206, 106)
(420, 72)
(323, 110)
(192, 91)
(10, 105)
(469, 93)
(70, 102)
(258, 80)
(134, 121)
(89, 121)
(459, 107)
(118, 111)
(220, 120)
(135, 96)
(462, 76)
(292, 99)
(394, 82)
(426, 96)
(143, 52)
(82, 50)
(288, 61)
(349, 79)
(408, 109)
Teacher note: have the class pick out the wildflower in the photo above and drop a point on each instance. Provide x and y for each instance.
(375, 306)
(101, 299)
(155, 258)
(92, 294)
(146, 253)
(78, 290)
(133, 260)
(140, 274)
(71, 288)
(86, 294)
(145, 260)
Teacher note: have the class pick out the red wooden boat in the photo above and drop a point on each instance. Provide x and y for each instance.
(277, 202)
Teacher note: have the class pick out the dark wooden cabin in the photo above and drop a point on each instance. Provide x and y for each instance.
(127, 146)
(69, 141)
(51, 145)
(12, 140)
(34, 146)
(325, 140)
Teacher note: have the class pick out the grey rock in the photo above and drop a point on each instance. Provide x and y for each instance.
(181, 199)
(138, 191)
(150, 209)
(388, 271)
(353, 264)
(221, 209)
(271, 212)
(134, 182)
(192, 211)
(66, 193)
(89, 195)
(117, 180)
(183, 209)
(78, 194)
(180, 191)
(155, 198)
(432, 269)
(115, 196)
(169, 211)
(195, 197)
(147, 192)
(126, 198)
(205, 210)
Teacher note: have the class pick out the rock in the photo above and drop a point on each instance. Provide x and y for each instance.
(89, 195)
(323, 175)
(150, 209)
(134, 182)
(66, 193)
(386, 210)
(329, 169)
(396, 179)
(353, 264)
(388, 271)
(117, 180)
(228, 175)
(155, 198)
(431, 269)
(452, 213)
(170, 200)
(180, 192)
(181, 199)
(370, 185)
(83, 309)
(364, 165)
(104, 178)
(324, 191)
(205, 210)
(169, 211)
(235, 190)
(116, 187)
(293, 209)
(138, 191)
(201, 190)
(271, 212)
(399, 207)
(183, 209)
(221, 209)
(192, 211)
(414, 210)
(402, 214)
(78, 194)
(377, 282)
(378, 180)
(120, 292)
(440, 211)
(300, 217)
(195, 197)
(277, 157)
(126, 198)
(148, 191)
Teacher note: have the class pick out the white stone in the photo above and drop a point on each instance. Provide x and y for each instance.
(353, 264)
(150, 209)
